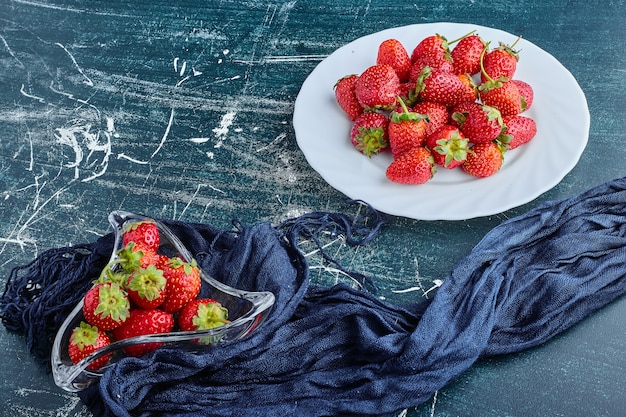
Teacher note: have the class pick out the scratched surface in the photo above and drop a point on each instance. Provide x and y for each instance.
(185, 112)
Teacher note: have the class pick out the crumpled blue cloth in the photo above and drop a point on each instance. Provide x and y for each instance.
(337, 351)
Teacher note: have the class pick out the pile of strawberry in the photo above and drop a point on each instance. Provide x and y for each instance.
(142, 292)
(439, 107)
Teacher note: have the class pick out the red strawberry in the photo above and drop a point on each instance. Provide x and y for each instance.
(415, 166)
(518, 131)
(470, 93)
(448, 146)
(500, 63)
(391, 52)
(346, 98)
(484, 160)
(202, 314)
(144, 322)
(429, 61)
(183, 283)
(466, 55)
(144, 234)
(437, 115)
(131, 258)
(106, 306)
(526, 93)
(441, 87)
(369, 133)
(478, 123)
(435, 46)
(146, 287)
(505, 96)
(407, 130)
(86, 339)
(377, 87)
(408, 94)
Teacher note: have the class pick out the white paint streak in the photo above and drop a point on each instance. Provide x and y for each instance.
(276, 140)
(165, 134)
(88, 80)
(128, 158)
(199, 140)
(222, 130)
(79, 135)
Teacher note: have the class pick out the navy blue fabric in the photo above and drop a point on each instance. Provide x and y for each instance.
(337, 351)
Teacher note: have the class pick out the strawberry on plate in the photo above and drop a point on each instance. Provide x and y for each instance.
(406, 130)
(466, 55)
(106, 306)
(415, 166)
(144, 322)
(500, 63)
(377, 87)
(526, 93)
(448, 146)
(435, 46)
(369, 133)
(517, 131)
(85, 340)
(441, 87)
(484, 160)
(503, 95)
(346, 98)
(437, 115)
(183, 283)
(478, 123)
(391, 52)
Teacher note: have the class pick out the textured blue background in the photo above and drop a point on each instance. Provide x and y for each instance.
(185, 112)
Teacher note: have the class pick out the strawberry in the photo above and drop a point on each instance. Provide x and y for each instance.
(505, 96)
(144, 234)
(132, 257)
(106, 306)
(183, 283)
(478, 123)
(448, 146)
(346, 98)
(146, 287)
(435, 46)
(144, 322)
(408, 94)
(202, 314)
(429, 61)
(500, 63)
(415, 166)
(377, 87)
(391, 52)
(517, 131)
(441, 87)
(526, 93)
(470, 92)
(466, 55)
(369, 133)
(437, 115)
(86, 339)
(484, 160)
(407, 130)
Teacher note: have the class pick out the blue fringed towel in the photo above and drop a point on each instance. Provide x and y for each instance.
(336, 351)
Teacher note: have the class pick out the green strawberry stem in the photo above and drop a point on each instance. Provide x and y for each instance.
(406, 114)
(462, 37)
(490, 84)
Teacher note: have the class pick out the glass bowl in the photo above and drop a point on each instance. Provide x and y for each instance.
(246, 310)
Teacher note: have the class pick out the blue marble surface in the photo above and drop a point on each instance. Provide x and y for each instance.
(184, 111)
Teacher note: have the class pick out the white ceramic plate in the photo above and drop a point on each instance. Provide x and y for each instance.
(559, 109)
